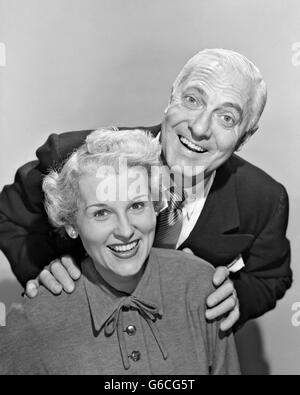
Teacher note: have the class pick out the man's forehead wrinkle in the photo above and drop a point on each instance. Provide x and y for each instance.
(216, 77)
(212, 85)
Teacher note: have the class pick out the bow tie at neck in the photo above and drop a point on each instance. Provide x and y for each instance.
(148, 310)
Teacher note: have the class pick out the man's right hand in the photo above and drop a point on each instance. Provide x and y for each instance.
(60, 275)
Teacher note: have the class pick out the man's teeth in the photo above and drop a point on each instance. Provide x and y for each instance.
(191, 145)
(124, 247)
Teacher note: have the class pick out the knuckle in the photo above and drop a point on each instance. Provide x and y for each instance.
(66, 259)
(230, 287)
(44, 274)
(232, 302)
(30, 283)
(224, 270)
(55, 266)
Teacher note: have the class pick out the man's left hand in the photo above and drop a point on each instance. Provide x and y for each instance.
(223, 301)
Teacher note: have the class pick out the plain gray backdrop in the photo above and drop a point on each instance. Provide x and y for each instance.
(75, 64)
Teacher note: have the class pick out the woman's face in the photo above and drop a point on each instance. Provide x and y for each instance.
(117, 229)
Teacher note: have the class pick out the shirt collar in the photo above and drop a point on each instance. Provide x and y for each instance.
(103, 299)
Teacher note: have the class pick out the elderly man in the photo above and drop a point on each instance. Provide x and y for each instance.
(238, 223)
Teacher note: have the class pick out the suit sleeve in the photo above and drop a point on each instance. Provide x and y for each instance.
(267, 274)
(26, 237)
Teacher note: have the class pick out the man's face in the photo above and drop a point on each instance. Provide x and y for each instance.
(208, 115)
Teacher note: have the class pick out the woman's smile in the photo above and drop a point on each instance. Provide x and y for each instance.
(125, 251)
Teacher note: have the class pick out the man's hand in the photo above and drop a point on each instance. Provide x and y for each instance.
(223, 301)
(60, 275)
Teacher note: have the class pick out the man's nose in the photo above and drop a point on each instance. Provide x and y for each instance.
(124, 229)
(200, 126)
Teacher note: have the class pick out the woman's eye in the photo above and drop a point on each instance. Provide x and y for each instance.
(138, 206)
(101, 214)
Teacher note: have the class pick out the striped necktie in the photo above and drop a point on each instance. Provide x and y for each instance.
(169, 222)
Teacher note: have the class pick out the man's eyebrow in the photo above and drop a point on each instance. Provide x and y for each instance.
(237, 107)
(200, 90)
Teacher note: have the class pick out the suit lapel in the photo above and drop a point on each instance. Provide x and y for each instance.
(216, 236)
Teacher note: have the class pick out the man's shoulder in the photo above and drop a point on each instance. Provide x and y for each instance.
(59, 146)
(253, 181)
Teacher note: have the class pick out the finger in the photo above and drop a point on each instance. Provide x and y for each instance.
(224, 308)
(188, 250)
(220, 294)
(71, 267)
(62, 276)
(231, 320)
(32, 288)
(221, 274)
(49, 282)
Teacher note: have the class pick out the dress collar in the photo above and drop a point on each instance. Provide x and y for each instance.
(104, 300)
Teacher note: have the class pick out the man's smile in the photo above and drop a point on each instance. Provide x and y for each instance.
(192, 146)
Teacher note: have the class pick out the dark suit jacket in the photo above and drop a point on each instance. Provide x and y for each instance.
(246, 213)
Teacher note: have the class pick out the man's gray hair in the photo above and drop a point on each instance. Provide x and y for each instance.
(239, 63)
(105, 148)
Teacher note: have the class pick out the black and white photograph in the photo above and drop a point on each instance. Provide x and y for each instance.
(149, 195)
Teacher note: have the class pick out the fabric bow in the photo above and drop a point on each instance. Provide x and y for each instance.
(149, 311)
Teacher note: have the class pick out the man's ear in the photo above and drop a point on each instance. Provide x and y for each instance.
(71, 231)
(246, 136)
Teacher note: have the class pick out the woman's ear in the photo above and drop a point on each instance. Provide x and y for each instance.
(72, 232)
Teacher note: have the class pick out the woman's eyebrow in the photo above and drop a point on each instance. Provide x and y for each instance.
(98, 205)
(140, 197)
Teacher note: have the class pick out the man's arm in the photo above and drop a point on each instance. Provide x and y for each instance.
(267, 273)
(26, 237)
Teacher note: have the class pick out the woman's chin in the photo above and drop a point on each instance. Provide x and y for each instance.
(128, 269)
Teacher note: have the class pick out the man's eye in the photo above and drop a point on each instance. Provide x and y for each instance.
(228, 120)
(190, 101)
(138, 205)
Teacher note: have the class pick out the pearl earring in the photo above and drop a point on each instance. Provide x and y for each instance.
(74, 234)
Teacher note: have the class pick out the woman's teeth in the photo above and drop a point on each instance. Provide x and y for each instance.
(187, 143)
(124, 247)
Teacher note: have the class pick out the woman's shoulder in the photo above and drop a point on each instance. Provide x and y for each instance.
(183, 261)
(45, 310)
(181, 267)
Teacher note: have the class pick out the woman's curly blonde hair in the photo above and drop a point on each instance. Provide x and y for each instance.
(103, 147)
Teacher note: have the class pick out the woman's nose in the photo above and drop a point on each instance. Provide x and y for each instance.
(124, 230)
(200, 126)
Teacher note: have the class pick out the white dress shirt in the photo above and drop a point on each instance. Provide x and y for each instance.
(192, 208)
